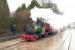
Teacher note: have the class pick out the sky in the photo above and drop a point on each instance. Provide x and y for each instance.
(14, 4)
(57, 21)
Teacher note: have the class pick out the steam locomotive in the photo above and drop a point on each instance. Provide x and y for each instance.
(37, 30)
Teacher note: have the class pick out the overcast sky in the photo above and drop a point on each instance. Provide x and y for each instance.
(14, 4)
(67, 6)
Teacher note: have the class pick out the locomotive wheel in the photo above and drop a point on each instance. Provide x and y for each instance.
(35, 38)
(45, 35)
(40, 36)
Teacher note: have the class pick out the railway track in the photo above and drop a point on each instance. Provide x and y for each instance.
(25, 42)
(8, 37)
(13, 45)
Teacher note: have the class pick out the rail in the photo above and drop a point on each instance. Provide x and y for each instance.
(12, 45)
(8, 37)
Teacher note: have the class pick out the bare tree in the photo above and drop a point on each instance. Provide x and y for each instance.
(51, 5)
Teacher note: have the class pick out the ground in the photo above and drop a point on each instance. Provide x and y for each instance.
(56, 42)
